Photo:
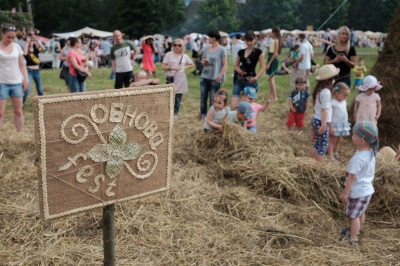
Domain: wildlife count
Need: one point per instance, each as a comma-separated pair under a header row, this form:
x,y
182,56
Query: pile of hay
x,y
272,166
235,199
387,70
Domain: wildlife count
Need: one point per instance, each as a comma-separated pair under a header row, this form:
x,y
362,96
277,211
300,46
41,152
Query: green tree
x,y
259,14
217,14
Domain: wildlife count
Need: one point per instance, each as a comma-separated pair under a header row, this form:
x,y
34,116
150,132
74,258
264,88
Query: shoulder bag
x,y
170,79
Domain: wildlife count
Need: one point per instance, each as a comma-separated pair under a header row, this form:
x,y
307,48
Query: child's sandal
x,y
353,242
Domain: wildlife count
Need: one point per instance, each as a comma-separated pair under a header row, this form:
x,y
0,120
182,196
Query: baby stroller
x,y
199,68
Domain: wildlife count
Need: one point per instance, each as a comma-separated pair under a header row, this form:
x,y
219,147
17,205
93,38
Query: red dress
x,y
148,60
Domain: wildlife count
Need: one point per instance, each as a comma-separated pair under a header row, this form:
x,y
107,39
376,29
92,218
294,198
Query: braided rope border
x,y
42,101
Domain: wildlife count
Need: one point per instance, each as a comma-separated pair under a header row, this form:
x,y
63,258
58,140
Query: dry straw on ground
x,y
235,199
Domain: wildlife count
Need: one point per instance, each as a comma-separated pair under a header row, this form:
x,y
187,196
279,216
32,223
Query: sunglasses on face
x,y
9,28
177,45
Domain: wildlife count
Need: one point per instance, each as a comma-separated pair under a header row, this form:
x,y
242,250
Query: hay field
x,y
235,199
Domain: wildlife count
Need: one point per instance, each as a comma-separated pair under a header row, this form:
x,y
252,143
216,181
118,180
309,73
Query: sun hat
x,y
251,92
245,108
370,82
327,71
368,132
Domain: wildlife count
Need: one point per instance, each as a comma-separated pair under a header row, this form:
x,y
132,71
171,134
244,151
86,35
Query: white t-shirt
x,y
323,101
9,66
236,47
362,165
306,50
339,111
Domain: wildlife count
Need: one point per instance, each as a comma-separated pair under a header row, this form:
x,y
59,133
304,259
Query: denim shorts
x,y
240,85
11,90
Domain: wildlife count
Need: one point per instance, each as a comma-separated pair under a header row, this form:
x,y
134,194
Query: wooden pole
x,y
108,235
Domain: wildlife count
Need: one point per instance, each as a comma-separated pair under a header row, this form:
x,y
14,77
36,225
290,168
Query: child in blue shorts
x,y
359,71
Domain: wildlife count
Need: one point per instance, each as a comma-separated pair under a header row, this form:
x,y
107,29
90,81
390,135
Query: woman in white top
x,y
13,76
175,63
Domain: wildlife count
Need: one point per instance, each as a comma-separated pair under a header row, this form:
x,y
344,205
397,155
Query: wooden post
x,y
108,235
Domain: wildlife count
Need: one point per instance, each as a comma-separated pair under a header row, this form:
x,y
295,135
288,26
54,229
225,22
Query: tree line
x,y
139,17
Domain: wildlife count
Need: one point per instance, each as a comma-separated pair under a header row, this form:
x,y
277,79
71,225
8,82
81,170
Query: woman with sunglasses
x,y
245,66
32,49
175,63
13,76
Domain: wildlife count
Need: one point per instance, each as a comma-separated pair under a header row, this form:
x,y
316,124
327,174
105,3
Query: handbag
x,y
34,59
170,79
81,75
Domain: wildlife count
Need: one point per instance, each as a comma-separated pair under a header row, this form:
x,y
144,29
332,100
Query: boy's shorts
x,y
357,82
356,207
11,90
295,118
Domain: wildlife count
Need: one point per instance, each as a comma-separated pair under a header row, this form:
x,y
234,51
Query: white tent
x,y
86,30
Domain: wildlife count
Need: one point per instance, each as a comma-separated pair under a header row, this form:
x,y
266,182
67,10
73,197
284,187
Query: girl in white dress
x,y
340,125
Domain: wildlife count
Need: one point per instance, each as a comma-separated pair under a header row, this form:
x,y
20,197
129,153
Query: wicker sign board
x,y
104,147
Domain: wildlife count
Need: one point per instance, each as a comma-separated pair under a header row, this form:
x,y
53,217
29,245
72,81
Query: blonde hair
x,y
141,74
344,28
182,44
341,87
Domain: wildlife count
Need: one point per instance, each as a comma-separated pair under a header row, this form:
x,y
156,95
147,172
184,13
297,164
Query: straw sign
x,y
99,148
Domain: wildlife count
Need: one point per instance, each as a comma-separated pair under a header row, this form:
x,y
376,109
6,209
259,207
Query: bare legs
x,y
333,148
272,89
356,225
18,114
314,155
149,74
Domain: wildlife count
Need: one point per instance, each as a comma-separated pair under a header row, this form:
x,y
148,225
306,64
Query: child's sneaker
x,y
345,231
353,242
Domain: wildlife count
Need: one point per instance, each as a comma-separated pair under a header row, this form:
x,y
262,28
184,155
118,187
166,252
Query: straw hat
x,y
370,82
327,71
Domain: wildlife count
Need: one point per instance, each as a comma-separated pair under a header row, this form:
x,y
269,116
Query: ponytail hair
x,y
341,87
278,36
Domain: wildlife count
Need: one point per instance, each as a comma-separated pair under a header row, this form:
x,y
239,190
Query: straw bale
x,y
235,199
387,70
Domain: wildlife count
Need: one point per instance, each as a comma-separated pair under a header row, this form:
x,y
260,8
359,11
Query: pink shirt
x,y
78,56
252,121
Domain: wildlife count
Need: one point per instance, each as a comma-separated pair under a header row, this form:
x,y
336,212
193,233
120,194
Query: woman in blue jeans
x,y
245,66
75,62
214,61
31,53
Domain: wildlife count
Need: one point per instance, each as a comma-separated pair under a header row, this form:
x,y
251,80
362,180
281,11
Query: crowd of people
x,y
19,66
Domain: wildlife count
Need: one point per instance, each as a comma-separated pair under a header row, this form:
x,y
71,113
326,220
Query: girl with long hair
x,y
275,49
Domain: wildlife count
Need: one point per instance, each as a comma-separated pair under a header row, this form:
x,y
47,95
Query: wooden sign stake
x,y
108,235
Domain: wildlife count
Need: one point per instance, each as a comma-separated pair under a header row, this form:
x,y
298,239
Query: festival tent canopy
x,y
86,31
223,34
266,31
43,39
